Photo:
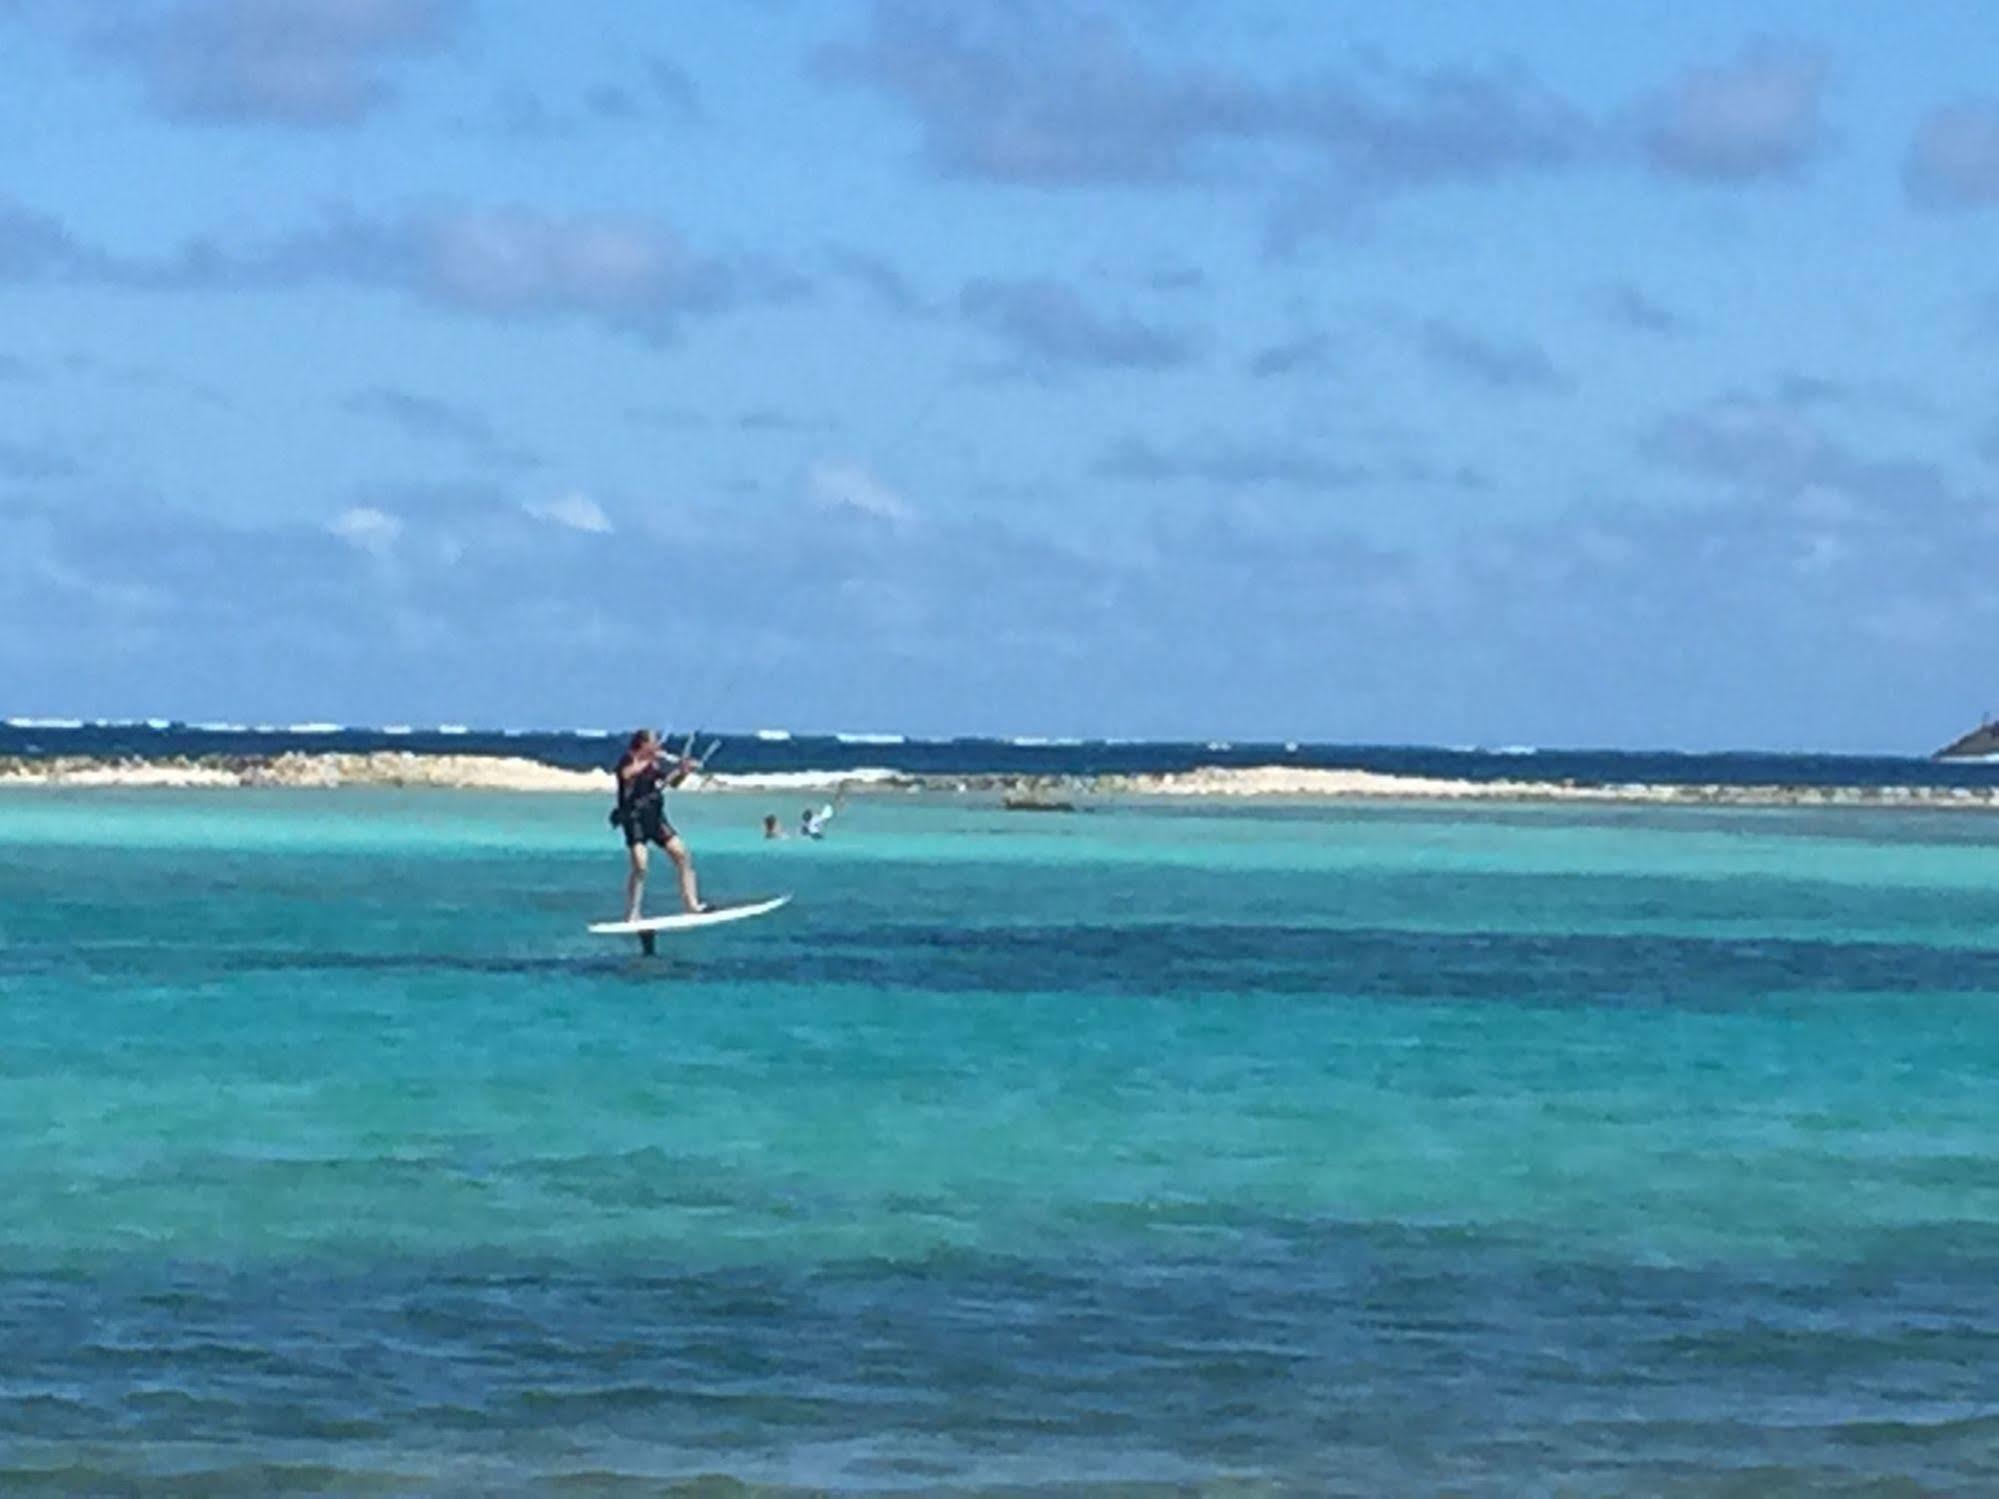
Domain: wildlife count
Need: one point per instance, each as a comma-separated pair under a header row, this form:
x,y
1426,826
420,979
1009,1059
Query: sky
x,y
1457,373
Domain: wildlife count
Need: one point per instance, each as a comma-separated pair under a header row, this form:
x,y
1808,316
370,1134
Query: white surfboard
x,y
682,921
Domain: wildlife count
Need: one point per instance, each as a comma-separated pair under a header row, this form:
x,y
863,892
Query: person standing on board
x,y
643,780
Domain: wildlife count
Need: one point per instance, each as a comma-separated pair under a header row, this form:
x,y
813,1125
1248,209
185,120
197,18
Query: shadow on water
x,y
1162,961
1332,1356
1665,971
191,965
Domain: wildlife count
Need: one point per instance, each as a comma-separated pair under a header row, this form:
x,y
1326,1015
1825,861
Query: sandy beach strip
x,y
514,773
381,768
1281,782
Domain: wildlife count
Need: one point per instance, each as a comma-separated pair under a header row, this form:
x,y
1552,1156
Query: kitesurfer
x,y
644,777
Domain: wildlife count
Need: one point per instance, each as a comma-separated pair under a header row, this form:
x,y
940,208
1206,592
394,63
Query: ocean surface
x,y
776,750
1379,1150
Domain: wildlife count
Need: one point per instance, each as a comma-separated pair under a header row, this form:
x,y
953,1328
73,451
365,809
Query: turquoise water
x,y
1267,1151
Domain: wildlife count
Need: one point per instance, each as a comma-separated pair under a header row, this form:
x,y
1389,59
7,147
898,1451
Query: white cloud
x,y
369,529
1754,117
308,63
575,510
508,258
1954,159
841,485
507,263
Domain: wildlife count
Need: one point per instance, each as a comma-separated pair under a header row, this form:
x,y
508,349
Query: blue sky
x,y
1451,373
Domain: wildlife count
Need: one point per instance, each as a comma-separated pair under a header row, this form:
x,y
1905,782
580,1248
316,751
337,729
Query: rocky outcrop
x,y
1982,743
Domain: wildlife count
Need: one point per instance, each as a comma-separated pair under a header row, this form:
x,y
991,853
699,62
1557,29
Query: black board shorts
x,y
647,824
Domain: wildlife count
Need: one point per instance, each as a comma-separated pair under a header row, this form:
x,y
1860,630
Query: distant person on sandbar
x,y
644,777
772,829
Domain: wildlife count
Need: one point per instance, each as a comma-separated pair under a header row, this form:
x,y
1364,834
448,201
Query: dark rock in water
x,y
1032,803
1981,742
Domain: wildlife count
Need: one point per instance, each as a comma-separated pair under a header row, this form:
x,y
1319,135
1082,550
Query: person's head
x,y
643,742
770,823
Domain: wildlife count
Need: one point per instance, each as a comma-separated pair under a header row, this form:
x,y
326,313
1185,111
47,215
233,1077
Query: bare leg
x,y
683,863
635,882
